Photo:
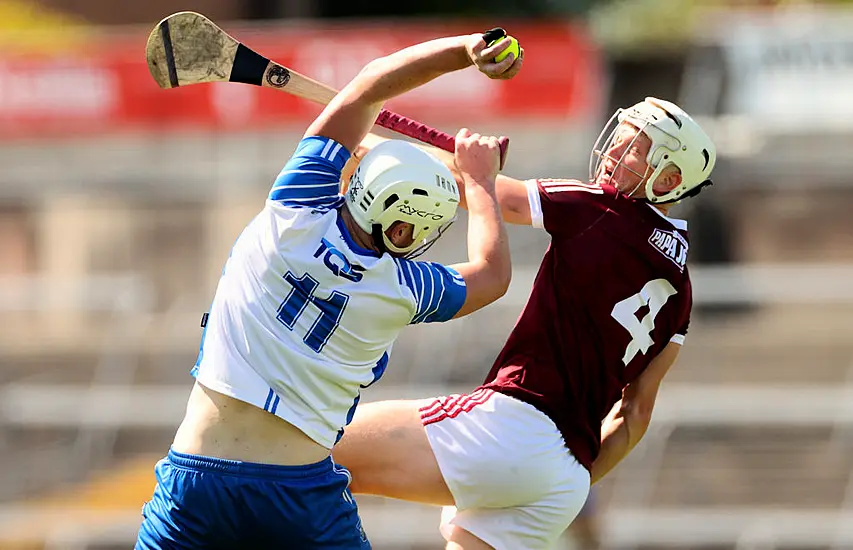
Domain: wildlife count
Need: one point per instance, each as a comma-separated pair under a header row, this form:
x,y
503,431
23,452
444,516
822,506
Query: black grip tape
x,y
493,34
249,66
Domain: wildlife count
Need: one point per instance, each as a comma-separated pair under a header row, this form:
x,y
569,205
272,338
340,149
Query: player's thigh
x,y
460,539
387,451
533,527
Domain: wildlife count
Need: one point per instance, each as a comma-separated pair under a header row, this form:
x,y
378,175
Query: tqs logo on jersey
x,y
338,263
409,211
672,245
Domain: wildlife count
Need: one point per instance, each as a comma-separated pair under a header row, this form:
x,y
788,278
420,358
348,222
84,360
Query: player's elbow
x,y
501,279
494,283
642,418
362,88
638,401
485,286
370,70
495,271
637,411
638,416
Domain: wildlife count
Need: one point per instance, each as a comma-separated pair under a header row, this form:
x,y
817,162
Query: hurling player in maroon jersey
x,y
572,390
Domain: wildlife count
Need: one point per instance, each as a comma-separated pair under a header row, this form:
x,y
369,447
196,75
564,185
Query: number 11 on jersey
x,y
331,309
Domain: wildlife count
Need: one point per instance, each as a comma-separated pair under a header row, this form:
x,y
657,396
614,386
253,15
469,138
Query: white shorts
x,y
515,484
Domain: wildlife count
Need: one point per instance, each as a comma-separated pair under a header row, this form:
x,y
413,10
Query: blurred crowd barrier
x,y
119,203
101,85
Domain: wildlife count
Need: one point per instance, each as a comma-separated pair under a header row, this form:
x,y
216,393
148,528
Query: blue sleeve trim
x,y
439,290
324,203
312,175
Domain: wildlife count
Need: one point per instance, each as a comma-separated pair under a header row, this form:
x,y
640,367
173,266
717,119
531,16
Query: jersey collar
x,y
361,251
678,223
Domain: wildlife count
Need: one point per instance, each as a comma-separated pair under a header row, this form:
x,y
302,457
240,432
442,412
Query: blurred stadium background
x,y
119,202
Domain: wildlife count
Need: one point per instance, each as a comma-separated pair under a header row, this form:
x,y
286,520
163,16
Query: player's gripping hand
x,y
477,158
483,57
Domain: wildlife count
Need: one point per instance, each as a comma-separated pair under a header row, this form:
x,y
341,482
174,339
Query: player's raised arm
x,y
442,293
311,177
351,114
488,271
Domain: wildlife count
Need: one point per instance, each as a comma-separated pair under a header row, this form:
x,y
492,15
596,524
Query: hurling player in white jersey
x,y
313,295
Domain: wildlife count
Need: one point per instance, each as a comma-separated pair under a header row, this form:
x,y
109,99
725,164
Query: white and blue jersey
x,y
303,317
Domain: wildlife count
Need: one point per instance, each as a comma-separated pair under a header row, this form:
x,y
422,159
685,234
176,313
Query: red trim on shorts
x,y
451,406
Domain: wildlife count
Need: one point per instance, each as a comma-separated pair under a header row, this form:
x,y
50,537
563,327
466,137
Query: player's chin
x,y
623,187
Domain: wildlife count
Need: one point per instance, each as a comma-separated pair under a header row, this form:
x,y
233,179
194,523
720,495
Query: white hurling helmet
x,y
397,181
676,140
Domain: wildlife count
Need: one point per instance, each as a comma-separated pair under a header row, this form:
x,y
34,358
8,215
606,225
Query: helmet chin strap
x,y
378,241
691,193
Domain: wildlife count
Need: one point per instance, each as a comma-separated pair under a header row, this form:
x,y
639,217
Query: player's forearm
x,y
620,433
488,244
405,70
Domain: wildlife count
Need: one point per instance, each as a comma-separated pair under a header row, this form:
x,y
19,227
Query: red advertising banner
x,y
104,85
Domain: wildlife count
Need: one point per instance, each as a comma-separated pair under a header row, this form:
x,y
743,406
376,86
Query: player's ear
x,y
668,180
401,234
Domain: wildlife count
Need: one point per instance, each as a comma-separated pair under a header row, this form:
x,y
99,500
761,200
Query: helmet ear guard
x,y
689,193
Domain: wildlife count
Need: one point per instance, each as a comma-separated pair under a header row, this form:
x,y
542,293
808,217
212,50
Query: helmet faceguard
x,y
397,181
676,140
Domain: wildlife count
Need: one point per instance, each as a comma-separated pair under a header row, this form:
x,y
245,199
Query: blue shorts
x,y
202,502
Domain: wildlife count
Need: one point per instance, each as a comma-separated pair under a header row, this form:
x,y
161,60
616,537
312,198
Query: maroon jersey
x,y
611,293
